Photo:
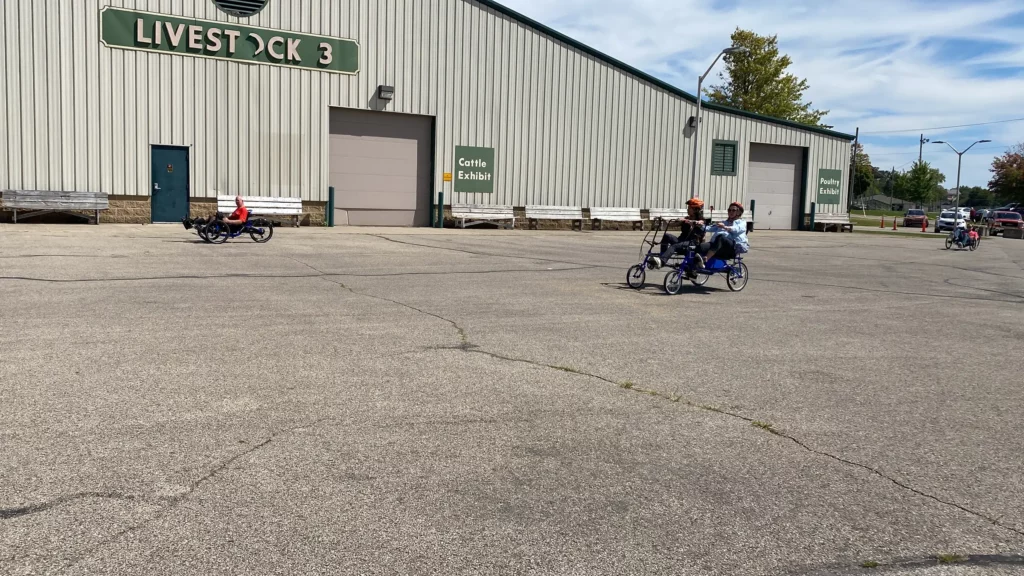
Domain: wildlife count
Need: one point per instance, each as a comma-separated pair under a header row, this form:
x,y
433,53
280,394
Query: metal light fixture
x,y
386,93
959,162
696,120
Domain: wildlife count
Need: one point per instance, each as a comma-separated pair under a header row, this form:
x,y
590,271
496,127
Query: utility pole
x,y
853,170
920,150
891,186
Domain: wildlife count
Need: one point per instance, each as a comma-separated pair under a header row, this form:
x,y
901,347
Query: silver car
x,y
947,220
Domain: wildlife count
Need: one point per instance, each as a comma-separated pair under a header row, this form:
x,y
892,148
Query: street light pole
x,y
696,127
959,162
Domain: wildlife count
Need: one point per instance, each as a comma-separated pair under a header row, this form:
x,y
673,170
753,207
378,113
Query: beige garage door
x,y
773,181
381,168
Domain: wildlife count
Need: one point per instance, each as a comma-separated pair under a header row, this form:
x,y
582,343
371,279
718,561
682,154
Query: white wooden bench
x,y
667,213
264,206
599,215
482,214
38,202
535,213
832,223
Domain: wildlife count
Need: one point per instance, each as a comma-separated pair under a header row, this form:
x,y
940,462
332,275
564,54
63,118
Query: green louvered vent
x,y
241,8
723,158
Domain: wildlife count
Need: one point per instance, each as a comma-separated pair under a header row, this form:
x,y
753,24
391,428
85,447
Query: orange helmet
x,y
695,202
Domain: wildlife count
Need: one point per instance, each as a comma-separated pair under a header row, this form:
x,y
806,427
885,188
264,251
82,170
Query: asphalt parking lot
x,y
490,402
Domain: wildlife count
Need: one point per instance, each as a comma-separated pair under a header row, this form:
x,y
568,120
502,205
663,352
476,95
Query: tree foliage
x,y
921,184
758,82
863,173
976,197
1008,175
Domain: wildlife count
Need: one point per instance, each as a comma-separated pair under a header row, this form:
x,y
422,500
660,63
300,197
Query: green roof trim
x,y
531,23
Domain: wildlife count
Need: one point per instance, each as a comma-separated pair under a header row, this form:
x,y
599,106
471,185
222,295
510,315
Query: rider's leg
x,y
716,245
669,243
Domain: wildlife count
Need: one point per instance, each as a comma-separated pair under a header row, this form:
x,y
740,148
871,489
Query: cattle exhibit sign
x,y
147,31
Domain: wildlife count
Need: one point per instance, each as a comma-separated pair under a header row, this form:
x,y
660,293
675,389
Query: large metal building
x,y
378,98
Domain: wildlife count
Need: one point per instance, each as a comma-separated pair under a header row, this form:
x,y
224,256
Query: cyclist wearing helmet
x,y
691,229
729,238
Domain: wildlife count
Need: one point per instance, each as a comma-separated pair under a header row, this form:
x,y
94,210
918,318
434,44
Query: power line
x,y
946,127
908,153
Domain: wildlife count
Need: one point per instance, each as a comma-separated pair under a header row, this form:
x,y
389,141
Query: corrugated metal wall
x,y
568,129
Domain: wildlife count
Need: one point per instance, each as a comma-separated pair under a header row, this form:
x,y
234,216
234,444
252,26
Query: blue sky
x,y
880,65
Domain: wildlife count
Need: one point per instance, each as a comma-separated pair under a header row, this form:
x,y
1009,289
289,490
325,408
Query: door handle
x,y
156,186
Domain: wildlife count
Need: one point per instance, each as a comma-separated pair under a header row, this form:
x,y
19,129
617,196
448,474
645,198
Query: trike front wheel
x,y
636,276
673,283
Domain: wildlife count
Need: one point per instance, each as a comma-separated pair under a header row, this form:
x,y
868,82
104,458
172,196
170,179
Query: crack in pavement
x,y
15,512
904,564
472,253
170,503
467,346
285,276
900,292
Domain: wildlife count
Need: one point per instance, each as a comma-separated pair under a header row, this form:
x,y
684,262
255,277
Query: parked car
x,y
980,215
1009,207
947,220
915,219
1001,220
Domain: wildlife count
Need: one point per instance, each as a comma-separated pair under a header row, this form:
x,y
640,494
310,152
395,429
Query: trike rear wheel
x,y
262,231
737,277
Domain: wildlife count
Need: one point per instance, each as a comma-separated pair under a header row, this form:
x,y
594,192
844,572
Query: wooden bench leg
x,y
577,225
638,225
532,224
594,224
296,220
15,216
97,219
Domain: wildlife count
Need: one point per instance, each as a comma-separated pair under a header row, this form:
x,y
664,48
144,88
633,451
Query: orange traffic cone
x,y
882,223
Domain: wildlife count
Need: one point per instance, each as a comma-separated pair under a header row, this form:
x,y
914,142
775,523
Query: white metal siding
x,y
568,128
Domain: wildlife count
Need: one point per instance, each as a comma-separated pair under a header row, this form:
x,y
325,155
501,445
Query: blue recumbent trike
x,y
682,266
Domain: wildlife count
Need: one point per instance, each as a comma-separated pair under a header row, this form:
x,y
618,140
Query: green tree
x,y
757,81
976,196
863,173
920,185
1008,175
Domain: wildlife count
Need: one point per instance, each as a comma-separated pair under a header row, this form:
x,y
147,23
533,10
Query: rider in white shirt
x,y
961,229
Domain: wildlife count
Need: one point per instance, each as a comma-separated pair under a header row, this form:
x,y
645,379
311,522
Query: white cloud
x,y
880,65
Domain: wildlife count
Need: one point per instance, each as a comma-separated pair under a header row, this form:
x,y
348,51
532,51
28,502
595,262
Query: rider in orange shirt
x,y
239,216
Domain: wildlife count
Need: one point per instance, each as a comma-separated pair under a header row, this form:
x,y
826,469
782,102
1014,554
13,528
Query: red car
x,y
1002,220
915,219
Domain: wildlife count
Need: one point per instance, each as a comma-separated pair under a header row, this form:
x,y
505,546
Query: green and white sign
x,y
474,170
133,30
830,186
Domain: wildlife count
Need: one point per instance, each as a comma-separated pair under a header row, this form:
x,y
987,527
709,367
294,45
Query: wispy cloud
x,y
879,65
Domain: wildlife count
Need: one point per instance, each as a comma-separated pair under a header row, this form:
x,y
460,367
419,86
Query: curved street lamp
x,y
696,128
960,157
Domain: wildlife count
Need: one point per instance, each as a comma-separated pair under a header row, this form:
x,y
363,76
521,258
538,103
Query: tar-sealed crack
x,y
907,564
466,345
15,512
167,503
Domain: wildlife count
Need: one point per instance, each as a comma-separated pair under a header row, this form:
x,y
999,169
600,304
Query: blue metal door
x,y
170,183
